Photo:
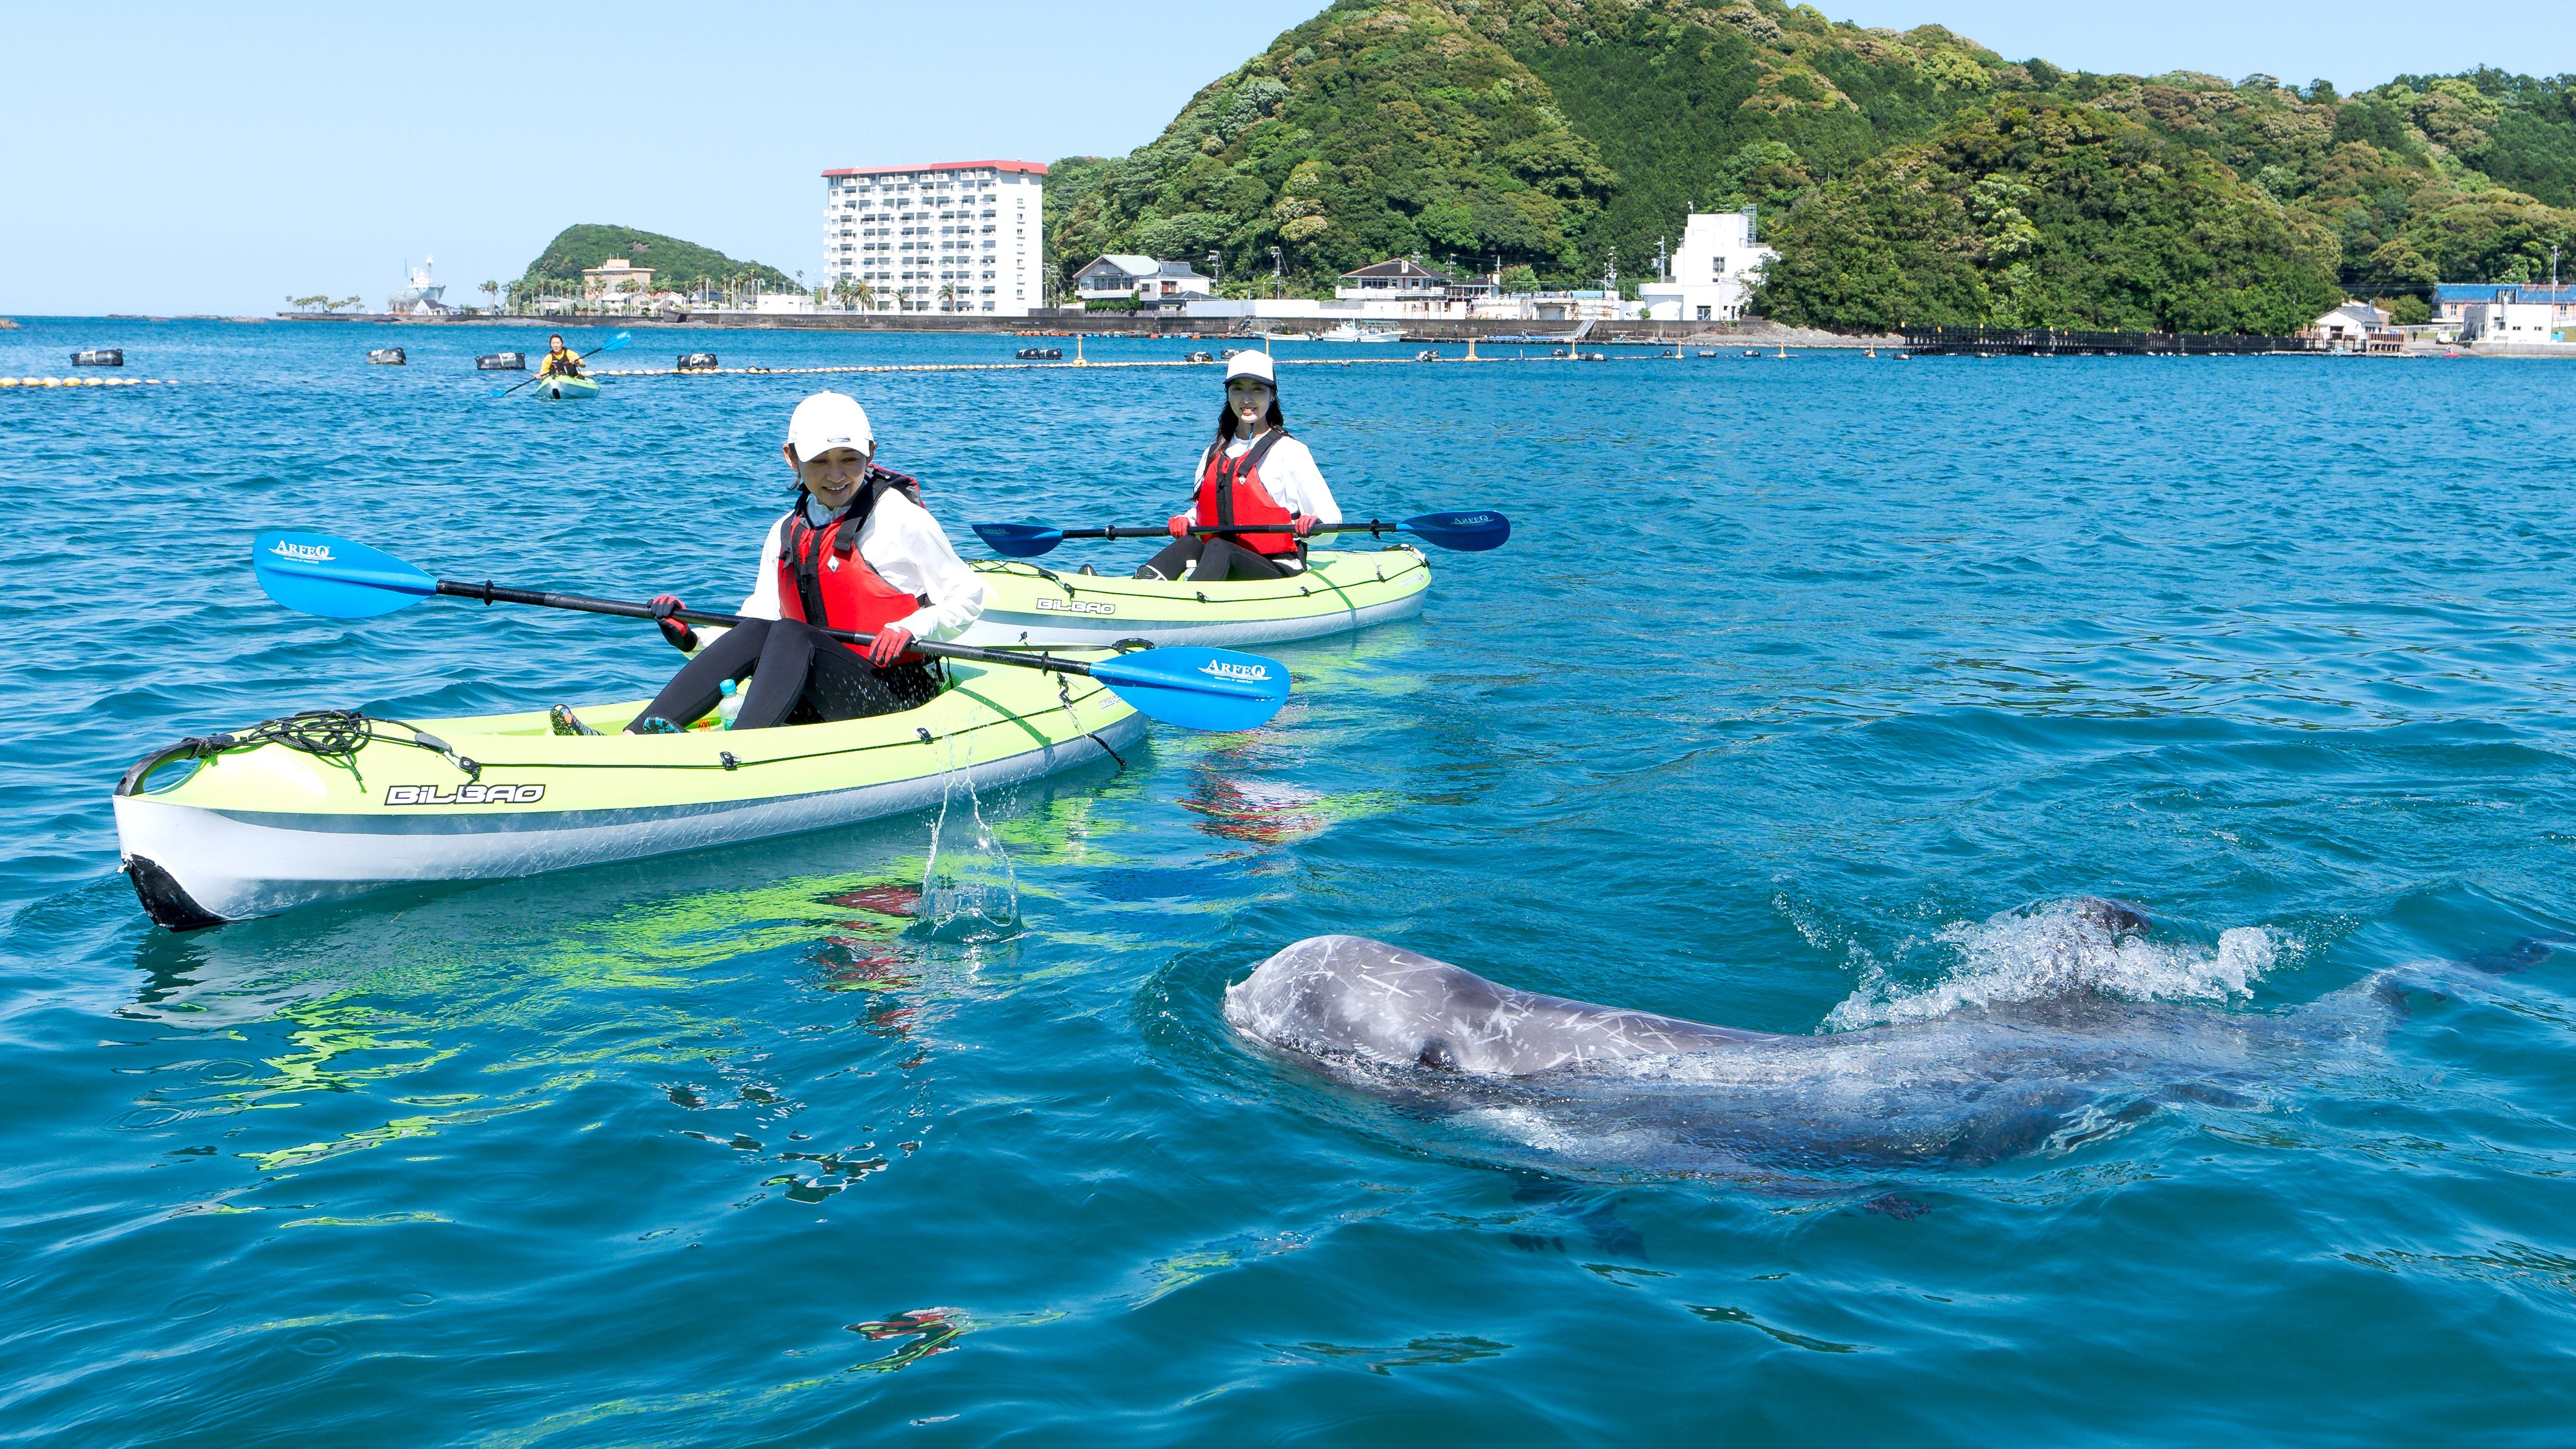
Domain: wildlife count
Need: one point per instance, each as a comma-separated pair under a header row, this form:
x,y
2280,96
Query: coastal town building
x,y
1399,279
2355,327
2503,321
1713,273
615,279
1121,275
2452,300
954,236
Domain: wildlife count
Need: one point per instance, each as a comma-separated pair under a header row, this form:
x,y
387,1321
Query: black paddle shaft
x,y
1372,528
492,593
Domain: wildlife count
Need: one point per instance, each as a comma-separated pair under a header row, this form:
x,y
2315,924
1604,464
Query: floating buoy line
x,y
89,382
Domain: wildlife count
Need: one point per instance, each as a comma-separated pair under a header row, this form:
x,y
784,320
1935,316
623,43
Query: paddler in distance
x,y
561,361
1252,473
856,551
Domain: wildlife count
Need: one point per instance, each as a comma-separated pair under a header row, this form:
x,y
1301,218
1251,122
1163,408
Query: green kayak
x,y
1338,592
328,805
565,389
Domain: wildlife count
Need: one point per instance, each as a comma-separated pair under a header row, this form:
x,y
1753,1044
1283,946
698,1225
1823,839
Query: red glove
x,y
891,641
682,637
1180,525
1304,526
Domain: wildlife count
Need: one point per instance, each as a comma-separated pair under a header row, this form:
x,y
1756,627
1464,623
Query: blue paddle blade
x,y
1199,689
318,574
1467,532
1019,540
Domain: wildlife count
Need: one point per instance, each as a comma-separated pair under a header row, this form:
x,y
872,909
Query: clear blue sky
x,y
197,158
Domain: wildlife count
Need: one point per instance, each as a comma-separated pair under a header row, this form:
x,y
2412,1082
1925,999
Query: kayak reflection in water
x,y
1252,473
857,551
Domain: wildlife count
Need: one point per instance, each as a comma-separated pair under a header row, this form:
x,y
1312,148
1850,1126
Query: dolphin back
x,y
1349,995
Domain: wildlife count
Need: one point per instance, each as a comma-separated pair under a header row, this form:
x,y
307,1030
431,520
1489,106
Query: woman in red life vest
x,y
856,551
1253,473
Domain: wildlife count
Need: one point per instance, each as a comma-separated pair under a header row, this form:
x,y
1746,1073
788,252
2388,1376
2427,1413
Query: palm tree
x,y
865,294
947,296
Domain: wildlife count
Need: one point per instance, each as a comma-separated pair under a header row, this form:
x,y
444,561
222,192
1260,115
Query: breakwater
x,y
2059,342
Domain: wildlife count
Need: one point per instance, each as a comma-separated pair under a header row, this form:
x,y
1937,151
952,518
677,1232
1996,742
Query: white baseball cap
x,y
1252,364
829,420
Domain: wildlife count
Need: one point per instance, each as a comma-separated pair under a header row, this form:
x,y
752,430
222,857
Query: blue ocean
x,y
1810,696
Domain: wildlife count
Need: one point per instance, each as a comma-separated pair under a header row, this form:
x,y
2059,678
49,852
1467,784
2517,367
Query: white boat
x,y
1353,332
422,295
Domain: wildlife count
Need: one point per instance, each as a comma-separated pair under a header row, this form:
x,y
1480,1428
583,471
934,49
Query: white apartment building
x,y
959,236
1713,273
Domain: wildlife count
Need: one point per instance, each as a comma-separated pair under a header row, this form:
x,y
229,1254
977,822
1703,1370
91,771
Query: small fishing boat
x,y
1353,332
1339,591
1201,357
1708,352
332,804
696,362
386,357
501,362
100,357
558,388
1041,354
1428,354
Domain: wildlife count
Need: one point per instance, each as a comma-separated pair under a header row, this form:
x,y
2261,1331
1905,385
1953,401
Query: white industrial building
x,y
958,236
2507,320
1714,272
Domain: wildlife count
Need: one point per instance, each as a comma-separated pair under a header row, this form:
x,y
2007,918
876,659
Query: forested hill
x,y
675,263
1550,132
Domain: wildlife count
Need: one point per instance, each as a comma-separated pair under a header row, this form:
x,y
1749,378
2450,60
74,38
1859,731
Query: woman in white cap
x,y
1252,473
857,551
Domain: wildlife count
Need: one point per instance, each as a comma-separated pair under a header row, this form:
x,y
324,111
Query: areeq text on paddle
x,y
1190,686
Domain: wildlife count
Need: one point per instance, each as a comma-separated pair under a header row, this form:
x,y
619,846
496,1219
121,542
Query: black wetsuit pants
x,y
1217,560
799,675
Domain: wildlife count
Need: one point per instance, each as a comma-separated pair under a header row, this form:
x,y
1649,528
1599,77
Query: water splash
x,y
968,890
2055,951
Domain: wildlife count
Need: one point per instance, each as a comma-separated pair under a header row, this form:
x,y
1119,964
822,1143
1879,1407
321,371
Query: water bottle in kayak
x,y
729,706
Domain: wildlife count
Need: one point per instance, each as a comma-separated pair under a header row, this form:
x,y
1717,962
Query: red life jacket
x,y
1230,493
822,577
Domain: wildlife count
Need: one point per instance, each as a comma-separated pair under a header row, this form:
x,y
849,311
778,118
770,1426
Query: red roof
x,y
1030,168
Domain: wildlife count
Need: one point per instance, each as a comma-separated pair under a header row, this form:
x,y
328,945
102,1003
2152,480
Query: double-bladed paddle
x,y
1467,532
1200,689
611,345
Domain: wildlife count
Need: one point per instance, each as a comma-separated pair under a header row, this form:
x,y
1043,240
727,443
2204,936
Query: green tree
x,y
2049,216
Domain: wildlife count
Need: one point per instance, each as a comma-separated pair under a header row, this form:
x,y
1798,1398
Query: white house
x,y
1713,273
2501,321
1397,279
955,236
1123,274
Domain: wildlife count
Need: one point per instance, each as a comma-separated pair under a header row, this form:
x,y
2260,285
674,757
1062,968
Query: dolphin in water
x,y
1582,1086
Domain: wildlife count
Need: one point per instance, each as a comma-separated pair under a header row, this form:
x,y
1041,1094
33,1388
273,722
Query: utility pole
x,y
1278,272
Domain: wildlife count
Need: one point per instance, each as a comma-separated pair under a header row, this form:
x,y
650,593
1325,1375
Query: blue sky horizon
x,y
179,159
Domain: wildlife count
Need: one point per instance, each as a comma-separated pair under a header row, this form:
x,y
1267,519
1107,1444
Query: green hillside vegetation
x,y
1557,134
674,262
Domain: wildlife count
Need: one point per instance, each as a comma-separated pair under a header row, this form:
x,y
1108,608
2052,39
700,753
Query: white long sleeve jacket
x,y
904,544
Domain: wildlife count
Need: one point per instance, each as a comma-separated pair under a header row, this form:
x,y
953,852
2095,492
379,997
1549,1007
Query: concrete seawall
x,y
1753,332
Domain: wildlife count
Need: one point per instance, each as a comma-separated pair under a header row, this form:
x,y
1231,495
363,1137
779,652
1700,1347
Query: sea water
x,y
1804,695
